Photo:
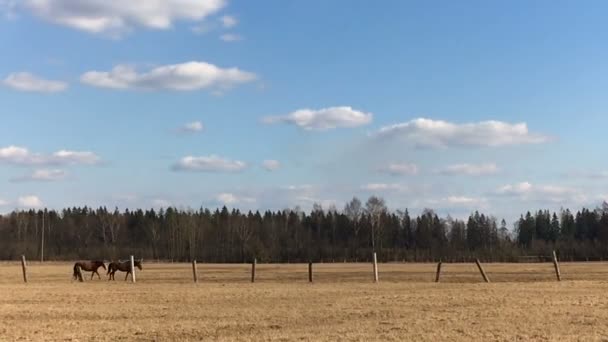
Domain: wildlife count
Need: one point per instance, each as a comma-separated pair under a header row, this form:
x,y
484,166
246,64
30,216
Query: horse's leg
x,y
98,276
92,274
127,275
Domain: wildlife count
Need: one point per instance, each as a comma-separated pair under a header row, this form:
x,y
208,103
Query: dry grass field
x,y
523,303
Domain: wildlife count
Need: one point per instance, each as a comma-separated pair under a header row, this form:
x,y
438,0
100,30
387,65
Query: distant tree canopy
x,y
352,234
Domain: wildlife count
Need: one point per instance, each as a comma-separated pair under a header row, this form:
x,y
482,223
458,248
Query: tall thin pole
x,y
375,268
132,269
24,268
42,239
556,265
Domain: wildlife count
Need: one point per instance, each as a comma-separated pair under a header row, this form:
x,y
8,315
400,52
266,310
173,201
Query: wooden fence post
x,y
483,273
438,272
194,271
375,268
255,261
310,271
132,269
24,268
556,265
79,274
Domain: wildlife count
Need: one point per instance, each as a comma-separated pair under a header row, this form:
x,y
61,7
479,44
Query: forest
x,y
322,235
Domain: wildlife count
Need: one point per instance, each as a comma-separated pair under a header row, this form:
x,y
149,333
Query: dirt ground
x,y
523,302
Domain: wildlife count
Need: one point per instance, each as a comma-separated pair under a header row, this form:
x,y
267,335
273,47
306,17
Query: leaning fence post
x,y
483,273
556,265
194,271
438,272
24,268
375,268
255,261
310,271
132,269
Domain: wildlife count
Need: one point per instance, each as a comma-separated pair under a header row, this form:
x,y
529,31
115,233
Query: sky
x,y
456,106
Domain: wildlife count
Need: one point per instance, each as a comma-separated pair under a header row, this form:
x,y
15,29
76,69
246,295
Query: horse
x,y
89,266
123,266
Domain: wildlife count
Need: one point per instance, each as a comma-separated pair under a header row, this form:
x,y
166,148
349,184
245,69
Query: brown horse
x,y
89,266
123,266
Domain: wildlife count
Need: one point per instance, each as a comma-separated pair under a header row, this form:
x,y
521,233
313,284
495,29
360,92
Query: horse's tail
x,y
75,275
110,266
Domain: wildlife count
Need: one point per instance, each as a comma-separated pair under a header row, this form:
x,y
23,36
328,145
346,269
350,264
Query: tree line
x,y
328,235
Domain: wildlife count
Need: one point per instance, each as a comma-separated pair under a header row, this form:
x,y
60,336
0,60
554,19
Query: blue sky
x,y
456,106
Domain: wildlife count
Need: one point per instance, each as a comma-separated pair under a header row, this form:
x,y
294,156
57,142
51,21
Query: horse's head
x,y
102,264
138,264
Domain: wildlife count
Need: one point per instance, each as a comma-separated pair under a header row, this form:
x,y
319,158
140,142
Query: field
x,y
523,302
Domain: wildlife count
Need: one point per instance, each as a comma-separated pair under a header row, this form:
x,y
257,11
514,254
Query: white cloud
x,y
588,175
29,201
192,127
25,81
7,8
210,163
231,37
232,199
22,156
271,165
400,169
115,17
180,77
552,193
437,133
384,187
305,187
229,21
43,175
161,203
4,203
323,119
470,169
459,202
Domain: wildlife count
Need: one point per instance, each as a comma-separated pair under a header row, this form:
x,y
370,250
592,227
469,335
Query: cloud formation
x,y
227,198
192,127
230,37
384,187
25,81
400,169
22,156
323,119
470,169
210,163
43,175
228,21
271,165
187,76
116,17
423,132
552,193
30,201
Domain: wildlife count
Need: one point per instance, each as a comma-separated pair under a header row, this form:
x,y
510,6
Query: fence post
x,y
24,268
556,265
255,261
310,271
438,272
79,274
194,271
375,268
132,269
483,273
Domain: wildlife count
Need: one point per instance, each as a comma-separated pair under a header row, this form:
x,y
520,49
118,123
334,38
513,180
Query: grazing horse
x,y
123,266
89,266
